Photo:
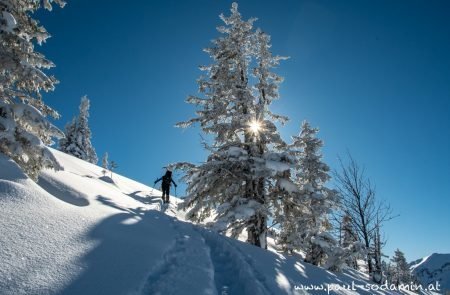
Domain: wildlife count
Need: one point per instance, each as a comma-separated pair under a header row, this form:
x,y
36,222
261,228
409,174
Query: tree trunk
x,y
314,255
257,231
369,254
378,273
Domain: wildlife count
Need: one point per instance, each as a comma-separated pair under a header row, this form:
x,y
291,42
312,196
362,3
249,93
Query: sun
x,y
255,126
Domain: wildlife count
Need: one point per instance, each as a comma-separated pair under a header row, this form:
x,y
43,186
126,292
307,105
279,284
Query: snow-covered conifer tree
x,y
24,130
387,271
78,136
105,163
400,272
234,180
271,161
347,233
348,238
113,165
337,257
314,201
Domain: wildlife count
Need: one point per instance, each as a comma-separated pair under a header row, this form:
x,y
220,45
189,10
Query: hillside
x,y
78,232
433,268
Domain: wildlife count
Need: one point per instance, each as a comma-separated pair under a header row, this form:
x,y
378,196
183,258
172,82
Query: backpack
x,y
166,179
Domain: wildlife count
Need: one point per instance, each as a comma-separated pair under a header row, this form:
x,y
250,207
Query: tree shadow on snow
x,y
127,247
107,179
149,200
130,245
288,272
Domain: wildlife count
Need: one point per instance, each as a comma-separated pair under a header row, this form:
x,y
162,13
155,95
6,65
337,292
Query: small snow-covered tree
x,y
113,165
288,211
77,141
377,251
24,129
244,161
67,144
387,271
400,272
313,201
348,238
105,163
336,256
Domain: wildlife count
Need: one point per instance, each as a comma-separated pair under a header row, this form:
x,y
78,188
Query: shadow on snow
x,y
128,246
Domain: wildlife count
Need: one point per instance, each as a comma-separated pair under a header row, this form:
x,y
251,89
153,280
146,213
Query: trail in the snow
x,y
233,271
185,268
202,262
168,209
154,201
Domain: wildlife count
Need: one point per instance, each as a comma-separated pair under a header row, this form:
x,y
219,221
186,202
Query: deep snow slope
x,y
78,232
433,268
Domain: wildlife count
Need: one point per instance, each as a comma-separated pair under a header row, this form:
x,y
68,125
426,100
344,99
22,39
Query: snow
x,y
236,152
430,269
287,186
277,166
75,233
10,22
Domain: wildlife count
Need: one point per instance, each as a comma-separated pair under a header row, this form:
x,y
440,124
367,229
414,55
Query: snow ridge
x,y
433,268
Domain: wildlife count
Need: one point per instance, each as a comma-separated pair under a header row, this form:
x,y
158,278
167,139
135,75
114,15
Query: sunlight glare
x,y
255,126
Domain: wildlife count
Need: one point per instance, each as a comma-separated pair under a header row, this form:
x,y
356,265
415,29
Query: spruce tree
x,y
105,163
77,141
243,161
313,201
399,271
345,253
24,129
348,238
113,165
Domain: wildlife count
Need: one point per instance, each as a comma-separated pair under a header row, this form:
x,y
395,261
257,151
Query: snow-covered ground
x,y
78,232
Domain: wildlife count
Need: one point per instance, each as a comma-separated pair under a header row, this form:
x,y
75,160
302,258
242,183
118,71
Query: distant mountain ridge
x,y
432,269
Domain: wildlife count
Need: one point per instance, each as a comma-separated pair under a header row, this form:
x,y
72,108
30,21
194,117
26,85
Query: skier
x,y
165,186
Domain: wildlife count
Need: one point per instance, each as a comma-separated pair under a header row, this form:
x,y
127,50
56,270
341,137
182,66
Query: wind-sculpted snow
x,y
62,191
78,234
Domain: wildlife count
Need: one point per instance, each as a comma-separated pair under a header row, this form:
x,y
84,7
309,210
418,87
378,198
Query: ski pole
x,y
153,187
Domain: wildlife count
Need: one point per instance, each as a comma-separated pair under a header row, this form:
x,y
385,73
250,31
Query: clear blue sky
x,y
373,75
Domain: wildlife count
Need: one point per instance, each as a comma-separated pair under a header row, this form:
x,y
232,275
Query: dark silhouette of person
x,y
165,185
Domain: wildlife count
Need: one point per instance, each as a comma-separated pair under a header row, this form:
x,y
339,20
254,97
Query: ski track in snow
x,y
233,271
220,266
167,209
178,266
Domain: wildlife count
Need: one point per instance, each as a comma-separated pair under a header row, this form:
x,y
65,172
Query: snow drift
x,y
78,232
